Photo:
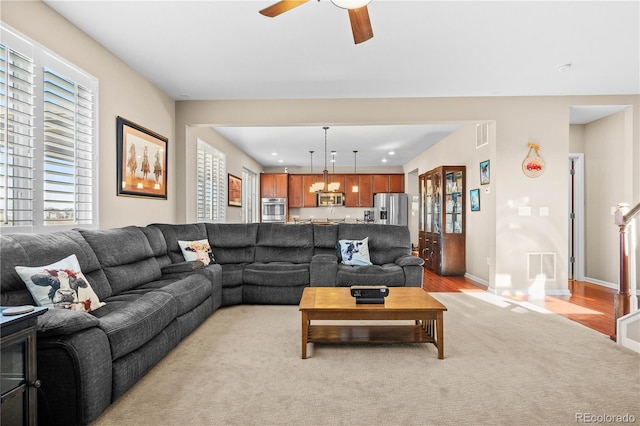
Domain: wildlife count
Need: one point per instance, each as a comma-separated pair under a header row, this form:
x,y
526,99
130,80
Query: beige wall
x,y
607,183
122,91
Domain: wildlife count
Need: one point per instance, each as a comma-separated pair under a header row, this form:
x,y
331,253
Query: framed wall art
x,y
474,200
485,173
141,161
235,191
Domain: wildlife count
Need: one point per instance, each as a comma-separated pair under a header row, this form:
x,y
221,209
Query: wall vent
x,y
482,135
541,265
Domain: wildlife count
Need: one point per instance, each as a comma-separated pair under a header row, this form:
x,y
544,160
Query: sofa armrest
x,y
186,266
409,261
323,270
58,322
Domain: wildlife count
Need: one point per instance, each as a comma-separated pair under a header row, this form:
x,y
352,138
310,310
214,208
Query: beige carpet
x,y
504,364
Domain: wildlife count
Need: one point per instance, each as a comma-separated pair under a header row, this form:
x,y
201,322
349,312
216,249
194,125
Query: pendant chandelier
x,y
325,185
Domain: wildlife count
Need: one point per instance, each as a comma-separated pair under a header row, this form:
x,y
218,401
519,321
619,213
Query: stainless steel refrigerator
x,y
391,209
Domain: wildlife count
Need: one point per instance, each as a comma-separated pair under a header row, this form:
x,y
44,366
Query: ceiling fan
x,y
358,15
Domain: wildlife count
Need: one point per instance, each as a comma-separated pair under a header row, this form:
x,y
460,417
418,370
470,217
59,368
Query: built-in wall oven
x,y
274,210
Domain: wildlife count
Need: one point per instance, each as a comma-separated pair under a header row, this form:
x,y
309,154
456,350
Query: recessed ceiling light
x,y
274,153
392,153
384,160
280,161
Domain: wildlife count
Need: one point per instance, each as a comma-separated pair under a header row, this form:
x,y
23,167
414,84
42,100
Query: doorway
x,y
576,218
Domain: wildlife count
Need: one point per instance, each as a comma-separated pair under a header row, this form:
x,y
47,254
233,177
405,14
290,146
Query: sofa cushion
x,y
189,292
388,274
232,274
174,233
125,255
60,285
277,274
353,252
130,319
197,250
386,242
324,239
233,242
42,249
279,242
64,321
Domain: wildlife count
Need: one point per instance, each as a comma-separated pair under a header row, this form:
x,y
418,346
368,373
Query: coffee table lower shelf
x,y
377,334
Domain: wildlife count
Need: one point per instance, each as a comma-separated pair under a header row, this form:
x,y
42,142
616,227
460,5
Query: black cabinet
x,y
18,373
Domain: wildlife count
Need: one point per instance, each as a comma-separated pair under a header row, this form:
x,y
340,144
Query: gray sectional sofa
x,y
154,298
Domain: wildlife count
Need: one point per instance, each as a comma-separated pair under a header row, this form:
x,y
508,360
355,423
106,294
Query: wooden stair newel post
x,y
622,301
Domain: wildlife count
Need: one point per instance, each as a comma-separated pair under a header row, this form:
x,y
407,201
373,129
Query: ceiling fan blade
x,y
281,7
360,24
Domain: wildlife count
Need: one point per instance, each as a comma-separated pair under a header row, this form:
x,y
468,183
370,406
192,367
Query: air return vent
x,y
541,265
482,135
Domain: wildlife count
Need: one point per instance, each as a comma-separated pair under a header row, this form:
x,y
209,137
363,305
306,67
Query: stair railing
x,y
622,303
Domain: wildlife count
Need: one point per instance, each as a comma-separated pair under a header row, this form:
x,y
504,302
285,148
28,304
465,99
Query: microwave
x,y
329,199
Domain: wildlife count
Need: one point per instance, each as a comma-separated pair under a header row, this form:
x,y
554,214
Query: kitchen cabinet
x,y
441,223
364,196
295,194
388,183
274,185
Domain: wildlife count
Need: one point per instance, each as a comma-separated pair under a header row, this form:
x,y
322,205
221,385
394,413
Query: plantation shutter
x,y
16,138
211,183
68,151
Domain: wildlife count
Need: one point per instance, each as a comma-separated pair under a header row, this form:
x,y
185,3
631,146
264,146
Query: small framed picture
x,y
485,173
235,191
474,200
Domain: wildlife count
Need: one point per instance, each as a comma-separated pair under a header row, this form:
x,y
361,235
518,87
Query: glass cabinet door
x,y
436,202
428,204
421,204
454,202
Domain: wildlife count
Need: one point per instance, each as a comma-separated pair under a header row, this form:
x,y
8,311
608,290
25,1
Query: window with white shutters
x,y
16,138
48,175
212,185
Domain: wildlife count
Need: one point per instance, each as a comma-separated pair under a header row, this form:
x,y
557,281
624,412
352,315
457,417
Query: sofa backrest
x,y
40,250
279,242
386,242
125,256
158,245
325,238
183,232
232,242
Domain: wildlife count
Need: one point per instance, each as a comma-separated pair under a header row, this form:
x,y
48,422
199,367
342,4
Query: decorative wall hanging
x,y
141,161
533,164
235,191
485,173
474,197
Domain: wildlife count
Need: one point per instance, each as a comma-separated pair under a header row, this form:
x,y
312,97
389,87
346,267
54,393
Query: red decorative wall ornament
x,y
533,164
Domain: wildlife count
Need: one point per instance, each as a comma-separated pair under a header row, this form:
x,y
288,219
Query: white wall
x,y
122,91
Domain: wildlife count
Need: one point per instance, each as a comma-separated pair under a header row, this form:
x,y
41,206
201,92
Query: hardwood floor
x,y
589,304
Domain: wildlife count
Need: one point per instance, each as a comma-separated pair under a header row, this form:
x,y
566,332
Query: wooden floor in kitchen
x,y
589,304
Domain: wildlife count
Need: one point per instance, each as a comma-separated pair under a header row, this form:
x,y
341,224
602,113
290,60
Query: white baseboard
x,y
607,284
559,292
600,282
477,280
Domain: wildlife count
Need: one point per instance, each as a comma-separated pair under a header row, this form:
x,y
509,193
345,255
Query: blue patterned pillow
x,y
354,252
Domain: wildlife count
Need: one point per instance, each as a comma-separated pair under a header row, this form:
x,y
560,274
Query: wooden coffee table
x,y
402,303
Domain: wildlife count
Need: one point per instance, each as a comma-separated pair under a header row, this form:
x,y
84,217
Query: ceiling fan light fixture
x,y
351,4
